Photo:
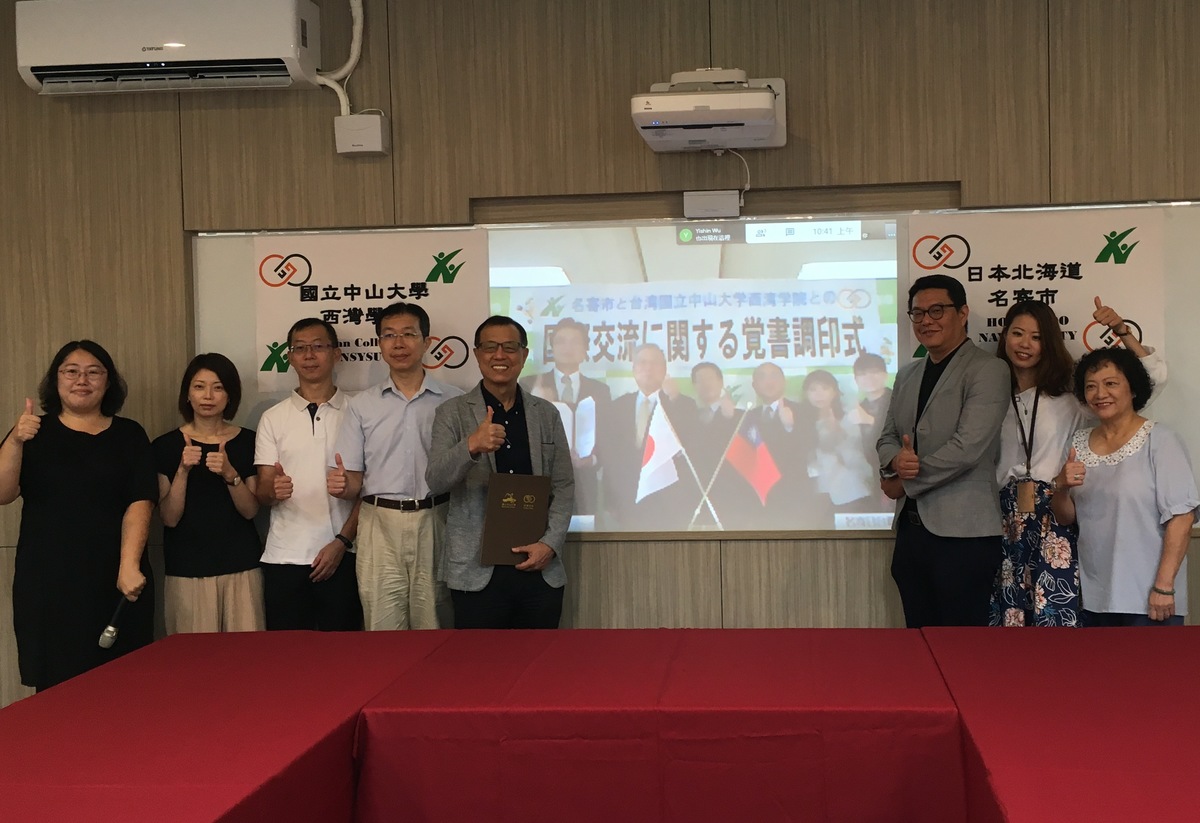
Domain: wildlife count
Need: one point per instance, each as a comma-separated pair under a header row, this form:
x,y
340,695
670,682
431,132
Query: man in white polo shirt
x,y
381,454
307,584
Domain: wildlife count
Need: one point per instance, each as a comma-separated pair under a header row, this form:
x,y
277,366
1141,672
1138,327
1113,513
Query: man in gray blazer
x,y
937,457
498,427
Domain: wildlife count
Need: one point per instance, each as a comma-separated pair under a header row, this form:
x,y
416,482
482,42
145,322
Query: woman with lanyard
x,y
1038,580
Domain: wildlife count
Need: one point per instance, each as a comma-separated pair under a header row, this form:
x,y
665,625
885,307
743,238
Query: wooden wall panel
x,y
1124,125
509,98
802,583
11,689
91,245
901,92
630,585
1002,62
90,242
266,159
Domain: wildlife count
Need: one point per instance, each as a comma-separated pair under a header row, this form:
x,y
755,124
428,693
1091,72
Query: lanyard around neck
x,y
1027,439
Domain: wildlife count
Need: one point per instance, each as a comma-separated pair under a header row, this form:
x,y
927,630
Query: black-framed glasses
x,y
935,312
509,346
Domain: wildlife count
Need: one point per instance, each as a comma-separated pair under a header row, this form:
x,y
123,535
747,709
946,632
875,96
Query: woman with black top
x,y
86,478
206,480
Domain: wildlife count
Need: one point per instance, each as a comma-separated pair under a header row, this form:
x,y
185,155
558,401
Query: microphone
x,y
109,635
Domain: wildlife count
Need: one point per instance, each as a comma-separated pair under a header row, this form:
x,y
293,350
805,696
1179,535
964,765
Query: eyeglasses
x,y
406,336
94,374
315,348
935,312
509,346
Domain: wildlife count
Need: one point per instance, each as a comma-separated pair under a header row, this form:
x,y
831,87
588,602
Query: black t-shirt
x,y
212,538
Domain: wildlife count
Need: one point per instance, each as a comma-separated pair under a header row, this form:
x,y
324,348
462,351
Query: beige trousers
x,y
225,603
397,567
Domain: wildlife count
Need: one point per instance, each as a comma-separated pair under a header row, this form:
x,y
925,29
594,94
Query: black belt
x,y
405,505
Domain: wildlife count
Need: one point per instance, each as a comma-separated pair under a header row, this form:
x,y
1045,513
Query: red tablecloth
x,y
245,727
1087,725
665,725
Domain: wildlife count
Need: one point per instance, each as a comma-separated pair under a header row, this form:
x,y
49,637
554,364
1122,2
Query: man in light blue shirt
x,y
381,454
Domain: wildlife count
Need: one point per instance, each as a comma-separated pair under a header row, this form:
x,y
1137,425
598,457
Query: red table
x,y
665,725
245,727
1087,725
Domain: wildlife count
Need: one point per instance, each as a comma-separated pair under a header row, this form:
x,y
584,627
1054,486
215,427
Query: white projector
x,y
712,109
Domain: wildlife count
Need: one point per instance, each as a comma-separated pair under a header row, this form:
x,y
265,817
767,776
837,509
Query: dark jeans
x,y
943,581
511,600
292,601
1102,619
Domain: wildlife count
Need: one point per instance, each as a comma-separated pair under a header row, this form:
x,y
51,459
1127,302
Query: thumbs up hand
x,y
1073,472
335,480
1109,317
487,438
283,484
191,455
906,463
218,463
27,424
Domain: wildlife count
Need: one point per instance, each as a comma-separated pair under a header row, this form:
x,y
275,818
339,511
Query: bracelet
x,y
1163,592
345,541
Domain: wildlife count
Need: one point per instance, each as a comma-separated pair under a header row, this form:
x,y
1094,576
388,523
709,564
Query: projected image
x,y
711,376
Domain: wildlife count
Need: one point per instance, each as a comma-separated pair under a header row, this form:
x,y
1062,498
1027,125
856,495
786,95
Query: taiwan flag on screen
x,y
748,454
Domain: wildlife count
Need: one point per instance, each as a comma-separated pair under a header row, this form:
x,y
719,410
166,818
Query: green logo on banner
x,y
1114,249
554,307
277,359
442,270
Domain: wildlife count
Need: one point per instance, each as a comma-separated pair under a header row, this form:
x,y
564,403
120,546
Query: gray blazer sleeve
x,y
449,457
984,406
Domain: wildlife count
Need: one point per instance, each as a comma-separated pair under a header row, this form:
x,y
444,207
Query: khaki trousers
x,y
225,603
397,568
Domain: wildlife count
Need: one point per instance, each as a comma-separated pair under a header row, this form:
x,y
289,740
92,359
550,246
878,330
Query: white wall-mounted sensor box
x,y
725,203
362,134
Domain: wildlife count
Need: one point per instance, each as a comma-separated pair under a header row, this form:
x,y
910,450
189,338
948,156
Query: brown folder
x,y
518,509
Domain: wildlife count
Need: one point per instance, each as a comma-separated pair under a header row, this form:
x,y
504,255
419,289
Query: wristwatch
x,y
887,474
236,481
345,541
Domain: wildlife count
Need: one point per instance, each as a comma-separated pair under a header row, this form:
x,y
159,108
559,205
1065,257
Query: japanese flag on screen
x,y
658,456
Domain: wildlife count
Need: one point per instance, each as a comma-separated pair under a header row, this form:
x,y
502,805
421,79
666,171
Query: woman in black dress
x,y
206,482
88,484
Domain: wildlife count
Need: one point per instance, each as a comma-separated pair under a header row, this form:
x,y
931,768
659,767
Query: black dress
x,y
76,488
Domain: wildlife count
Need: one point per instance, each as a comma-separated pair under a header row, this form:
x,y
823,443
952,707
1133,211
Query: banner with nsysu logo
x,y
1064,258
347,279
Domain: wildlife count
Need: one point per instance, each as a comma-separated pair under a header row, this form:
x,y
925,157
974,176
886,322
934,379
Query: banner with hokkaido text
x,y
1067,259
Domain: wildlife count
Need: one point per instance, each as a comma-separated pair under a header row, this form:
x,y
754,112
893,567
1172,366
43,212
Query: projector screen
x,y
730,375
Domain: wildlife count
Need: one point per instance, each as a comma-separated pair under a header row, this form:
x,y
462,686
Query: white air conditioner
x,y
99,46
711,109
